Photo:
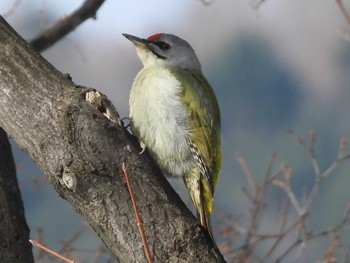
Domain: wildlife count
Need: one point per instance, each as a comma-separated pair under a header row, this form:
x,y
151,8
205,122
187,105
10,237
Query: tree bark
x,y
14,231
81,152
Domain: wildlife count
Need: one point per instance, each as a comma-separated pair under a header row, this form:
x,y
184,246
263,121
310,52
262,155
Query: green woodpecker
x,y
175,115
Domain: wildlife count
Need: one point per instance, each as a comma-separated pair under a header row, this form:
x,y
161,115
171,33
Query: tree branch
x,y
65,25
81,152
14,231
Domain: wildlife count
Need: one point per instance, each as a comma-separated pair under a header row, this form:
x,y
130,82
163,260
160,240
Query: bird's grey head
x,y
165,49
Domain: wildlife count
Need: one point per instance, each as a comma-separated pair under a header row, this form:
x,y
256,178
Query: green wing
x,y
199,97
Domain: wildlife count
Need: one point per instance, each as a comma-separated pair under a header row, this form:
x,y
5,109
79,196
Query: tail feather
x,y
204,216
202,200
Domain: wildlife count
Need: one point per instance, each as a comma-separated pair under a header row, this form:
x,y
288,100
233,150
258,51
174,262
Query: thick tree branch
x,y
81,153
14,232
66,24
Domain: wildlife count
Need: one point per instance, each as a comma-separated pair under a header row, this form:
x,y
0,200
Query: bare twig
x,y
343,145
66,24
282,232
270,167
330,254
344,12
69,242
251,235
138,218
246,171
257,197
319,176
344,222
308,149
39,245
278,237
342,33
287,172
256,3
313,137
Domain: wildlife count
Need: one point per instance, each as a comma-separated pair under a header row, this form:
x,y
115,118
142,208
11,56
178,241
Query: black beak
x,y
136,40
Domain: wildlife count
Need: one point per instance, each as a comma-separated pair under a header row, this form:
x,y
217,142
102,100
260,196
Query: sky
x,y
302,40
303,32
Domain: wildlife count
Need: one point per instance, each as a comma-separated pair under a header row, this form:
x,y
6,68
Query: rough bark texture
x,y
81,153
14,231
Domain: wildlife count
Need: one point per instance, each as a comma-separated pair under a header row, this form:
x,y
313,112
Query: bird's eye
x,y
162,45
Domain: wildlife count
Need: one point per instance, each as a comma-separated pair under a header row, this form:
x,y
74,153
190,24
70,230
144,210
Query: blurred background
x,y
279,66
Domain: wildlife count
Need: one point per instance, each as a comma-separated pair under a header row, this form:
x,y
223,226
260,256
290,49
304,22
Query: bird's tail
x,y
202,199
205,208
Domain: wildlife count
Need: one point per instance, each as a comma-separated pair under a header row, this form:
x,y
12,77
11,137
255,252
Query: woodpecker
x,y
175,115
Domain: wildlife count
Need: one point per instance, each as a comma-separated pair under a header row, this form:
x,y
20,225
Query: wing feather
x,y
204,125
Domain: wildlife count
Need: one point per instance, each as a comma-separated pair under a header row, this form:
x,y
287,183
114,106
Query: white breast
x,y
158,114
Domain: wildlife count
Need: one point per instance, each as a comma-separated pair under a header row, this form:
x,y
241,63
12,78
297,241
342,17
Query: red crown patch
x,y
155,36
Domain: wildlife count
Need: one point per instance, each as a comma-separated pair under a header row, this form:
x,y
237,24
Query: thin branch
x,y
308,149
278,236
343,223
335,244
342,33
246,170
259,205
282,232
270,167
256,3
70,241
343,145
320,177
313,137
287,172
256,195
137,214
66,24
37,244
344,12
334,165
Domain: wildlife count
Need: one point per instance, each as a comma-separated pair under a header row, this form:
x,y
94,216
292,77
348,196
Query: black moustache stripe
x,y
155,53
